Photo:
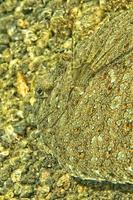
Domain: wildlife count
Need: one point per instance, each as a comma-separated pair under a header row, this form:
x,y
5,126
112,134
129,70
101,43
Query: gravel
x,y
36,40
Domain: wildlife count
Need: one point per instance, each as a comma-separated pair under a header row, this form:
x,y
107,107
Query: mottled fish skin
x,y
90,122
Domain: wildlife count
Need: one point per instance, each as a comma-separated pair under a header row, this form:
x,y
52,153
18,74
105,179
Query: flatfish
x,y
90,120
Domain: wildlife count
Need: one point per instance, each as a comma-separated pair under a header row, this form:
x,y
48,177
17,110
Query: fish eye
x,y
39,92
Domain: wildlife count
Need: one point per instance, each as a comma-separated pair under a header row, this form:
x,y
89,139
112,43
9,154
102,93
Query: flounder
x,y
90,120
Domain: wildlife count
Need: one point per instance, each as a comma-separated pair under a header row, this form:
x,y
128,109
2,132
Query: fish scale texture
x,y
90,120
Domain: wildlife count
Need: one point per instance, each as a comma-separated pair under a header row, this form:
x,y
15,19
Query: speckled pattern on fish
x,y
90,120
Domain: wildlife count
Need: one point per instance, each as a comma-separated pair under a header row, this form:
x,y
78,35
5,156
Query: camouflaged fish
x,y
90,119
